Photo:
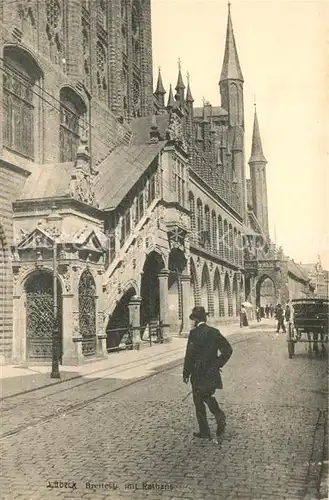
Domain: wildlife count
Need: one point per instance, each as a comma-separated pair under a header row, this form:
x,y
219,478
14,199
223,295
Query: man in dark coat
x,y
279,314
202,366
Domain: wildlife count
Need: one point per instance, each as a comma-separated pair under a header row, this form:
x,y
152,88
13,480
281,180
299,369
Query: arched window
x,y
136,97
101,71
200,221
220,237
124,81
230,235
214,240
54,29
208,228
240,243
192,210
226,241
136,15
101,14
86,53
19,116
73,111
124,28
136,34
235,246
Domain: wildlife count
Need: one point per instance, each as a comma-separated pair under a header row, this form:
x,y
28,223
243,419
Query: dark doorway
x,y
119,320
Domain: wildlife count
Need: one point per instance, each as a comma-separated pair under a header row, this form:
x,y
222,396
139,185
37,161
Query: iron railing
x,y
154,335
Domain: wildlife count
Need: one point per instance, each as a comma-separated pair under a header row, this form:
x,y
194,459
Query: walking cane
x,y
187,395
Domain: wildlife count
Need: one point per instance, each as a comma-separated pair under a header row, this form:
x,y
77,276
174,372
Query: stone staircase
x,y
129,260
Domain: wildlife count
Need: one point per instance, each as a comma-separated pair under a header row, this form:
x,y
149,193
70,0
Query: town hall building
x,y
121,205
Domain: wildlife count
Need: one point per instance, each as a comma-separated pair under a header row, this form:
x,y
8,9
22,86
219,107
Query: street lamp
x,y
53,218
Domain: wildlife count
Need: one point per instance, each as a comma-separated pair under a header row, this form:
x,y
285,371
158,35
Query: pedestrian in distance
x,y
258,314
243,317
202,365
271,310
267,310
279,315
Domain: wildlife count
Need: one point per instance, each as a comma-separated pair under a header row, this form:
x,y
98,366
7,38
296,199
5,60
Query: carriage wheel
x,y
291,349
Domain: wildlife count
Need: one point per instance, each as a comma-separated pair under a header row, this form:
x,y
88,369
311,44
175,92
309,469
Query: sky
x,y
282,52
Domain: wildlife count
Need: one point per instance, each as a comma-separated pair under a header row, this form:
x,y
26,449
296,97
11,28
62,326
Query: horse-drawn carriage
x,y
309,323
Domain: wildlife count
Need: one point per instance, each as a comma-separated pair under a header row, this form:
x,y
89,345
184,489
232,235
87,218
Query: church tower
x,y
257,165
231,91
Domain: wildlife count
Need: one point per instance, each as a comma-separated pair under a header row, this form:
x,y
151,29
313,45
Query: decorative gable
x,y
38,238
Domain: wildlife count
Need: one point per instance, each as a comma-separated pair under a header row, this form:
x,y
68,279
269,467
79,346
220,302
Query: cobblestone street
x,y
117,436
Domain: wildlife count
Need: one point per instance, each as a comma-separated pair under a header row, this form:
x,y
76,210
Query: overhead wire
x,y
134,159
86,122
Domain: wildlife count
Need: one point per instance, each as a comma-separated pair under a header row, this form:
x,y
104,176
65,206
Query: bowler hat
x,y
198,314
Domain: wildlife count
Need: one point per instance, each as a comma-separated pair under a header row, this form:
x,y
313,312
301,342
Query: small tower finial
x,y
255,102
188,77
229,6
179,63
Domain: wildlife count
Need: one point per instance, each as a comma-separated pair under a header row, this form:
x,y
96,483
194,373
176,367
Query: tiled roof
x,y
140,128
297,271
47,181
216,112
121,170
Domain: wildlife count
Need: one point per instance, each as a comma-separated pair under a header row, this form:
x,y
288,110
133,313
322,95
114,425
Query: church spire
x,y
159,88
189,98
180,87
171,102
231,69
257,154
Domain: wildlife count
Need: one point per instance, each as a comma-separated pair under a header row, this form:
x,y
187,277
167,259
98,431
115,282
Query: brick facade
x,y
148,197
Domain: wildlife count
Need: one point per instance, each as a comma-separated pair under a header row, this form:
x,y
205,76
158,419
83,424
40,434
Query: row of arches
x,y
214,233
220,296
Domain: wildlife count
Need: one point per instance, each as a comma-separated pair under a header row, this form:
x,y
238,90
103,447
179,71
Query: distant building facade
x,y
319,279
140,203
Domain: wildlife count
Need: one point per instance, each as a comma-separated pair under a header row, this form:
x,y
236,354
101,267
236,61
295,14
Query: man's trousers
x,y
200,398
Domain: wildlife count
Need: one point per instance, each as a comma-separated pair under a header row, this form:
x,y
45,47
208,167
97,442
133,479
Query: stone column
x,y
186,290
69,349
134,319
163,295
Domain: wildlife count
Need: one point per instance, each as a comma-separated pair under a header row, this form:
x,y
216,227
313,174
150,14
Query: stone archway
x,y
150,293
119,320
176,265
265,291
227,296
40,316
218,309
236,296
194,289
206,291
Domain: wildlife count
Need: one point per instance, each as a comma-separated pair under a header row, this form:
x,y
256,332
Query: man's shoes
x,y
220,428
202,436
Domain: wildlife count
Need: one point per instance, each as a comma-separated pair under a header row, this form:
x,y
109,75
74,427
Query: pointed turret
x,y
180,87
256,147
154,130
257,165
171,101
160,88
160,93
189,98
231,69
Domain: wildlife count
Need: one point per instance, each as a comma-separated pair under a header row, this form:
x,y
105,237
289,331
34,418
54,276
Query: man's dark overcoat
x,y
202,360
